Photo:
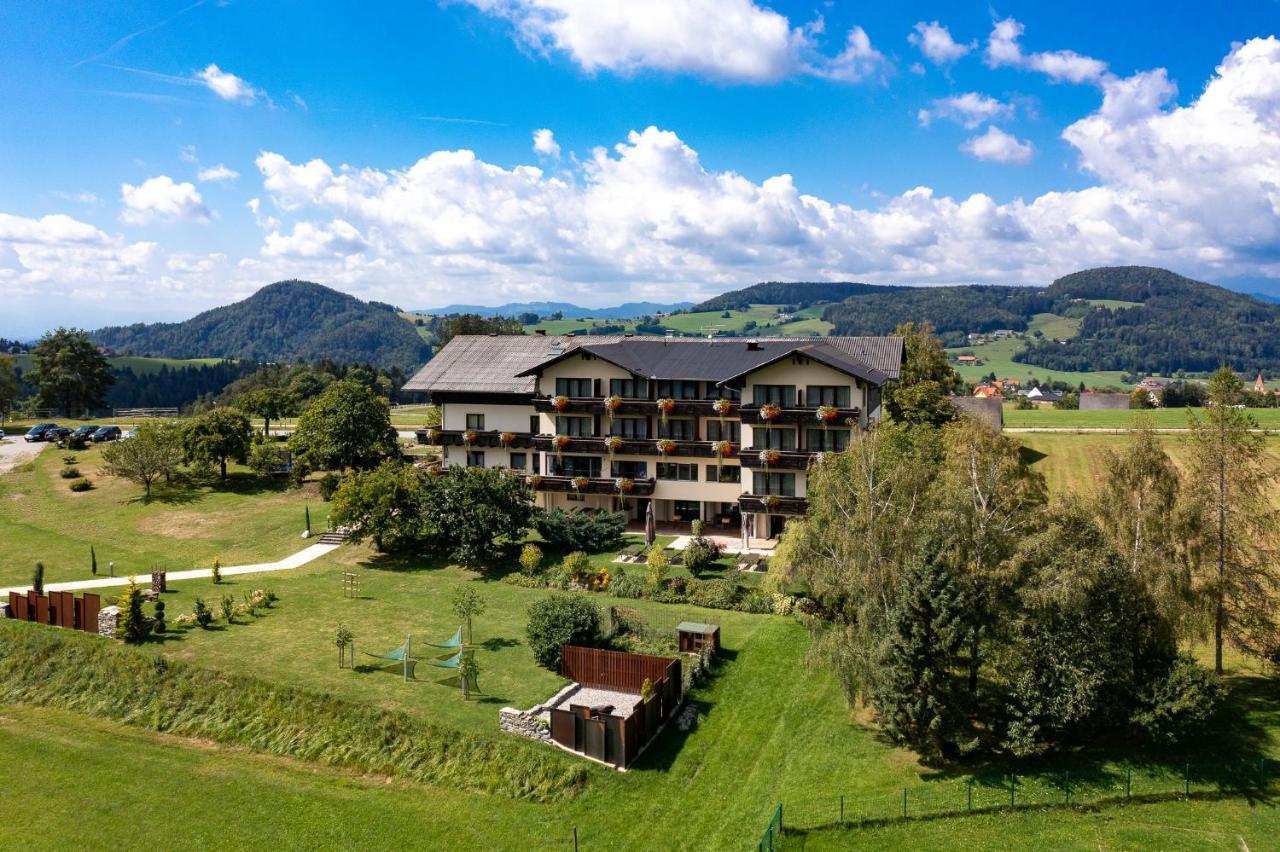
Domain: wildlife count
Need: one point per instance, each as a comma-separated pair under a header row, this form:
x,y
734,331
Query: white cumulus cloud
x,y
935,42
217,173
997,146
226,85
161,198
1003,48
544,142
970,109
734,40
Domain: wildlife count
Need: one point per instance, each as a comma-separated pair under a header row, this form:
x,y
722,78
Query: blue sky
x,y
160,158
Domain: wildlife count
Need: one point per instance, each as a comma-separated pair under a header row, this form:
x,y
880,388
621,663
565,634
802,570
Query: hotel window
x,y
476,422
781,484
575,497
475,458
729,430
630,469
678,472
837,395
535,424
773,438
573,387
676,430
574,427
677,390
577,466
826,440
519,461
629,388
630,427
783,395
728,473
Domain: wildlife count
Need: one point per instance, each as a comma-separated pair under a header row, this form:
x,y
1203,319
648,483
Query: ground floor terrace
x,y
723,520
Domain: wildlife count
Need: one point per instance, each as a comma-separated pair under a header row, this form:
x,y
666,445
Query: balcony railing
x,y
592,485
807,415
473,438
596,405
773,504
778,459
628,447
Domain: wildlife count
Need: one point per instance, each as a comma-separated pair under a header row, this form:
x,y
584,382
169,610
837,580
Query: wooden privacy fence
x,y
61,609
615,669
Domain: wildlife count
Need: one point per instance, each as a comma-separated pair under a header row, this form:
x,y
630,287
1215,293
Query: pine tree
x,y
37,579
1230,481
919,700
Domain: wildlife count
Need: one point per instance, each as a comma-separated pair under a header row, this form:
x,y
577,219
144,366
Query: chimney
x,y
541,332
754,346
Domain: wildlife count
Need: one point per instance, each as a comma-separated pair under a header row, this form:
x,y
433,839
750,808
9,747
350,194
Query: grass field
x,y
139,365
997,357
244,521
1162,418
805,323
771,728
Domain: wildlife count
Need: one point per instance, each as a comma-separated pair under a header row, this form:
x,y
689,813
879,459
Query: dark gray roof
x,y
510,363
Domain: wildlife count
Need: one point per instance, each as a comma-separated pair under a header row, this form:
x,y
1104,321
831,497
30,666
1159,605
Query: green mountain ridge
x,y
283,322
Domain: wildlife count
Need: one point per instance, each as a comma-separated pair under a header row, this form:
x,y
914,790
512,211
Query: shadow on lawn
x,y
1226,755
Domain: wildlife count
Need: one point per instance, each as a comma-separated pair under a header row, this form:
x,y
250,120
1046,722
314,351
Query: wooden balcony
x,y
631,407
786,459
592,485
628,447
805,416
472,438
773,505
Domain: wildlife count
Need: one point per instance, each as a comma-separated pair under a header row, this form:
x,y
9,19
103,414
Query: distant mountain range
x,y
283,322
567,310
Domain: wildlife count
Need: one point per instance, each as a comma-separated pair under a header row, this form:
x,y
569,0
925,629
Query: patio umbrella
x,y
746,537
650,529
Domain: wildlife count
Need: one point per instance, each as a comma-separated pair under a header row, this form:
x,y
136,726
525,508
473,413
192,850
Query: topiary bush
x,y
700,554
591,532
561,620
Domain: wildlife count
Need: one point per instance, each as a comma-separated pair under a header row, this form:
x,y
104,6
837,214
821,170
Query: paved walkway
x,y
297,560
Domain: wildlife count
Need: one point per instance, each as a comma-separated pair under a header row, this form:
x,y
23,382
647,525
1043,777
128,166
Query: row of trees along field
x,y
975,614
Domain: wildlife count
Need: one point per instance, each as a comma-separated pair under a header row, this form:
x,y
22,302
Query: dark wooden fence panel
x,y
92,606
42,609
618,670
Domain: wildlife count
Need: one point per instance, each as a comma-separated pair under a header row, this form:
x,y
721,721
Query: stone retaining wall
x,y
523,724
108,620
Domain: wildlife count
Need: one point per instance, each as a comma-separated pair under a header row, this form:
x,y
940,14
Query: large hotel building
x,y
719,429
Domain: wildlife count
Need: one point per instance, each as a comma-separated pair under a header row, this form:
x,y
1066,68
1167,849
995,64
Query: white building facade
x,y
723,430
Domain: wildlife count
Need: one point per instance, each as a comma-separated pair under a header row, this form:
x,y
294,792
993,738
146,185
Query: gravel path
x,y
15,451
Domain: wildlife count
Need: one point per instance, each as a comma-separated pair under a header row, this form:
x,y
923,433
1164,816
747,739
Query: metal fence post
x,y
904,802
1013,786
1128,781
1186,779
1066,784
969,785
842,809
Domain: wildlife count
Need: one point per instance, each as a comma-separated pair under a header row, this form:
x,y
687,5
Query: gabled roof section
x,y
511,363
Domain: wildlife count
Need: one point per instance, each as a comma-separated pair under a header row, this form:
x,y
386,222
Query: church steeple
x,y
1258,386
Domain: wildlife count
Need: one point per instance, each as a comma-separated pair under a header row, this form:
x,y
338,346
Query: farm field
x,y
139,365
805,323
997,357
1162,418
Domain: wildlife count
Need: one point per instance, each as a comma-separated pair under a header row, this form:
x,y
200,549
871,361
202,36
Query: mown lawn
x,y
245,520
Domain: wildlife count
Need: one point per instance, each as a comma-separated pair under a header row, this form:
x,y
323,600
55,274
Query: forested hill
x,y
952,310
1178,323
797,293
283,322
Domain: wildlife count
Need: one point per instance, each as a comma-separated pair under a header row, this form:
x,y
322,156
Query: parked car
x,y
107,433
131,433
84,432
37,432
56,433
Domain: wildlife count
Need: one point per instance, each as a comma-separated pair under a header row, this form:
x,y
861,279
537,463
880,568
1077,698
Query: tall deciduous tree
x,y
267,403
988,499
384,504
8,385
72,375
470,509
1232,484
919,395
155,451
217,437
1138,507
346,426
866,507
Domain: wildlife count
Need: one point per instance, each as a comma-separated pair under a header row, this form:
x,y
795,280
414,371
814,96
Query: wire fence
x,y
1048,788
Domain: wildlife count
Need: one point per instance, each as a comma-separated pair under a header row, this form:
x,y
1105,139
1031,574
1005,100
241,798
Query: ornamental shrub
x,y
575,570
201,613
714,594
700,554
69,472
530,559
81,485
591,532
329,485
228,607
624,585
1180,704
561,620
